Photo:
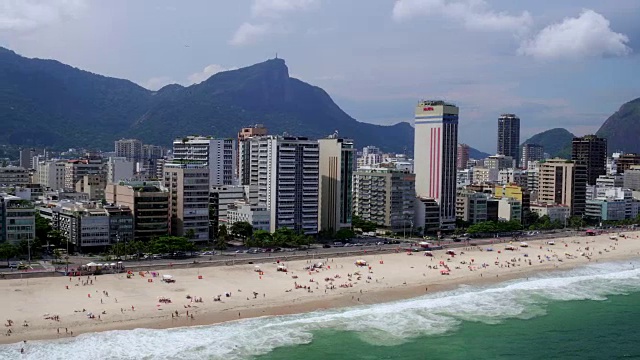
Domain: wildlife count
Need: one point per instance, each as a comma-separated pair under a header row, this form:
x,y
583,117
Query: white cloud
x,y
473,14
155,83
249,33
269,11
277,8
22,15
206,73
587,35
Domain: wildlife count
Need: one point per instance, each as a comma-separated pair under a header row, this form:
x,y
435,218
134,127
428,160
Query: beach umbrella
x,y
112,264
99,265
92,264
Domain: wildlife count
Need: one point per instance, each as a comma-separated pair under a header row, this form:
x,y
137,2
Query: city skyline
x,y
515,64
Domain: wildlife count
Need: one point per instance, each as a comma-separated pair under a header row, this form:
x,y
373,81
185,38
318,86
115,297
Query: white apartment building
x,y
50,174
509,210
219,155
464,177
484,175
188,186
257,215
512,176
554,212
119,169
286,171
336,176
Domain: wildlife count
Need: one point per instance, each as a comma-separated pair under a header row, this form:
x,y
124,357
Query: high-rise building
x,y
75,170
244,134
26,158
471,206
188,186
14,175
149,202
591,151
50,174
285,170
624,162
435,157
336,177
220,198
131,149
386,197
463,156
563,182
218,155
531,152
509,136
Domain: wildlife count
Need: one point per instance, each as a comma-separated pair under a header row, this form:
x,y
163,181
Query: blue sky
x,y
554,63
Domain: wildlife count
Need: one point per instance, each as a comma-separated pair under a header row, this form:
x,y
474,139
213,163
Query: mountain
x,y
47,103
477,154
556,142
622,129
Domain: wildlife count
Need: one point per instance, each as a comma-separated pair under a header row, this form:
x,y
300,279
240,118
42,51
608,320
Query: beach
x,y
52,308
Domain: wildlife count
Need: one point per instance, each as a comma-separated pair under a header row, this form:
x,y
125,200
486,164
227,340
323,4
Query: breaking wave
x,y
381,324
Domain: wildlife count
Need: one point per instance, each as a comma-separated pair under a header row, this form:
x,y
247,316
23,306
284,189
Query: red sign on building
x,y
429,108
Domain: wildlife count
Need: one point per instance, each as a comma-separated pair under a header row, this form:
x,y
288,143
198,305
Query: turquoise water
x,y
585,329
588,313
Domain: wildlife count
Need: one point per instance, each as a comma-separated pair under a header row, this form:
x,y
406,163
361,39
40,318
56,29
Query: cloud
x,y
587,35
156,83
269,11
473,14
21,15
277,8
249,33
206,73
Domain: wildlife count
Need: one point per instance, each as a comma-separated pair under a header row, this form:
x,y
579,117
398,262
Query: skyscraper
x,y
219,155
563,182
509,136
435,156
285,170
463,156
336,176
531,152
129,148
590,151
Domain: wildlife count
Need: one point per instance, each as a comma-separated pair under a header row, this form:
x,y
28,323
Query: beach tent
x,y
112,264
92,264
524,244
167,277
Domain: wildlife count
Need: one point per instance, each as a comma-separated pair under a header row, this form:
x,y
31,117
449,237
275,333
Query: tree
x,y
576,222
190,234
242,229
262,238
345,234
7,251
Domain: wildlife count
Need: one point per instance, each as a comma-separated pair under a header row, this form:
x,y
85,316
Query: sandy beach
x,y
50,308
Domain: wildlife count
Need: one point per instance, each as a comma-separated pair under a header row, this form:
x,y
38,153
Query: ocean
x,y
592,312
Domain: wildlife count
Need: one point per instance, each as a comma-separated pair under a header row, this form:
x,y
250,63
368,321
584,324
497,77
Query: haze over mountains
x,y
47,103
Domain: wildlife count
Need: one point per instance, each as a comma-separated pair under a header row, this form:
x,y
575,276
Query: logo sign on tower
x,y
428,108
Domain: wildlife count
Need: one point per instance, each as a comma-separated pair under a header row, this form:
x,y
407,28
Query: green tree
x,y
345,234
262,238
190,234
242,229
7,251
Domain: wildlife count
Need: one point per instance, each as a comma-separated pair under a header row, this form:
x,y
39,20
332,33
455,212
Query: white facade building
x,y
219,155
256,215
50,174
119,169
286,171
435,157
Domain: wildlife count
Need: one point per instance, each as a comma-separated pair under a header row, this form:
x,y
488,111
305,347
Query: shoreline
x,y
388,288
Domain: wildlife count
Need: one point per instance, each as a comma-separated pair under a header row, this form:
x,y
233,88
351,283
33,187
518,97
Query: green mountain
x,y
47,103
622,129
556,142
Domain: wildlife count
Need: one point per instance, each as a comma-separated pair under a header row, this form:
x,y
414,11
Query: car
x,y
326,246
209,253
338,244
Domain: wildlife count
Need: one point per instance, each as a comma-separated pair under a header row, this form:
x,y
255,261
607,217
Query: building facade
x,y
463,156
218,155
471,206
335,205
14,175
563,182
591,151
385,197
149,202
188,186
435,157
531,152
509,136
50,174
130,149
256,215
17,220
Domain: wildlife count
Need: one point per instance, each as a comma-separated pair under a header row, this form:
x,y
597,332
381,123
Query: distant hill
x,y
622,129
47,103
477,154
556,142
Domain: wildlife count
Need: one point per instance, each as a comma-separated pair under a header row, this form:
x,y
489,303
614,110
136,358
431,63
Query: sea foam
x,y
381,324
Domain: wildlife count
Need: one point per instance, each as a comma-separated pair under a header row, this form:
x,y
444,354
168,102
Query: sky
x,y
554,63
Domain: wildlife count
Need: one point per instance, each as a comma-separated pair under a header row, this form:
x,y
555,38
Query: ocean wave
x,y
380,324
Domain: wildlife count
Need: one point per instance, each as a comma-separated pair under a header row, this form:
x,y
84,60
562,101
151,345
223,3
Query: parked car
x,y
326,246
